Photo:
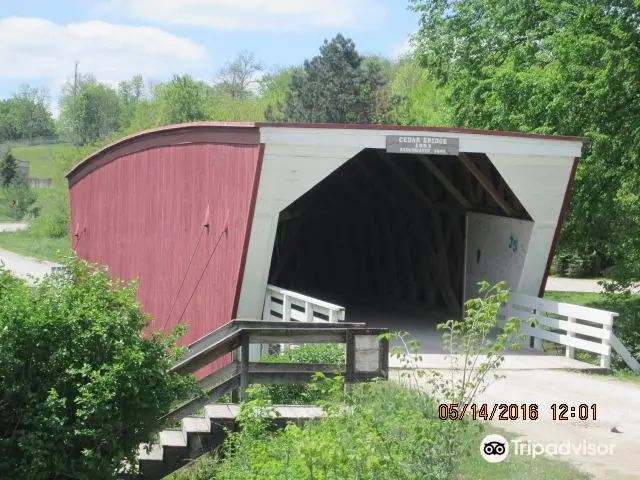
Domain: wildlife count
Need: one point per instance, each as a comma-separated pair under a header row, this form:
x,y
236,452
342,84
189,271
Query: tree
x,y
553,67
130,94
26,115
334,87
416,98
273,91
236,78
81,387
8,167
90,110
183,99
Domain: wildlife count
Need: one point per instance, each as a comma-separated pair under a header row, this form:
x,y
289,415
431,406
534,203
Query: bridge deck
x,y
421,323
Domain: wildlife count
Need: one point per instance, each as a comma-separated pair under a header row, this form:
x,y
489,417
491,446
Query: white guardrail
x,y
583,328
288,306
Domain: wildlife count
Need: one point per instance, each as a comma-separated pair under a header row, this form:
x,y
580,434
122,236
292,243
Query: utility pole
x,y
74,132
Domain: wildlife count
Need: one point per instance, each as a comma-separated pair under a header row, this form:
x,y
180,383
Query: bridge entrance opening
x,y
385,236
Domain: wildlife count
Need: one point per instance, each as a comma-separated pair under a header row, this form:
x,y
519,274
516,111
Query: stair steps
x,y
177,447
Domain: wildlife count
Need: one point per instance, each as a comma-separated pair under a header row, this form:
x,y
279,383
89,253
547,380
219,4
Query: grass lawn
x,y
587,299
26,243
40,158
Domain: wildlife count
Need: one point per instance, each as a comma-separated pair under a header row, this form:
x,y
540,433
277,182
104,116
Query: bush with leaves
x,y
387,432
80,384
20,198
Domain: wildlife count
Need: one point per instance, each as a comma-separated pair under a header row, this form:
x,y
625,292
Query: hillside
x,y
40,158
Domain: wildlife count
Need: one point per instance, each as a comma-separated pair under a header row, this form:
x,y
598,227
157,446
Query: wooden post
x,y
570,352
383,358
350,342
244,367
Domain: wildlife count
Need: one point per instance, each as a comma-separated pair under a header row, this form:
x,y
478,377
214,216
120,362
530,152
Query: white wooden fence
x,y
575,326
288,306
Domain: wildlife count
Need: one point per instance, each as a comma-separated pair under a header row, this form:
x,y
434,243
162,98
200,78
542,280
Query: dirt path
x,y
616,409
19,265
557,284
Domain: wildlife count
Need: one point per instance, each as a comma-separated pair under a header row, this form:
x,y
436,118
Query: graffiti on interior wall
x,y
514,244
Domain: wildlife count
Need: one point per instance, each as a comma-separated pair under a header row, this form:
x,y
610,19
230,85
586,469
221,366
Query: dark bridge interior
x,y
388,228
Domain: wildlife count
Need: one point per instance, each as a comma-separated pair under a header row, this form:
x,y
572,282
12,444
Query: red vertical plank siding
x,y
143,215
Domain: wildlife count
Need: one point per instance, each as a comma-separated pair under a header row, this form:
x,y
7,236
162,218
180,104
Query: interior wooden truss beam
x,y
404,178
375,181
486,184
446,183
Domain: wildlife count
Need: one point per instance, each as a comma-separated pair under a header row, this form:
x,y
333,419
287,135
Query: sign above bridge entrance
x,y
423,145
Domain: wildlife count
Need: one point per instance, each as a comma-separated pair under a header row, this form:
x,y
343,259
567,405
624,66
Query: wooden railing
x,y
285,305
367,357
573,326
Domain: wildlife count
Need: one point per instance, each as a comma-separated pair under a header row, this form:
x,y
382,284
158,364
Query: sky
x,y
40,40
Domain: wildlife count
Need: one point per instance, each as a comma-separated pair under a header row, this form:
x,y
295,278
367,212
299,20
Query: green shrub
x,y
307,393
626,325
80,386
389,432
53,218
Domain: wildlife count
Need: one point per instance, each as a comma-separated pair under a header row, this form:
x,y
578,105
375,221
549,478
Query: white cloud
x,y
403,50
252,14
34,48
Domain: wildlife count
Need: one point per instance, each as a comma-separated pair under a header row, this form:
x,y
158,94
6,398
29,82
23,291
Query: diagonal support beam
x,y
486,184
446,183
375,181
405,178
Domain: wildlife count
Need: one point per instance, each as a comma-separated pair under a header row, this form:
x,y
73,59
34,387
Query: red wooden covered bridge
x,y
383,224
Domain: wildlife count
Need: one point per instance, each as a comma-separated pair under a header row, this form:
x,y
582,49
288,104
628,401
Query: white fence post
x,y
605,358
537,342
570,352
308,310
266,310
286,308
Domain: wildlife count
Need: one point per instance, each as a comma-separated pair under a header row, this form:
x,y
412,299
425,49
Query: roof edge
x,y
416,128
166,129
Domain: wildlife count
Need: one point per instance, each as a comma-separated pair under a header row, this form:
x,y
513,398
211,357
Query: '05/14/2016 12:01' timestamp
x,y
516,411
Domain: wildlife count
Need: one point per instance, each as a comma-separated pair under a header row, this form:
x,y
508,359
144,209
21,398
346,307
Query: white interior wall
x,y
496,249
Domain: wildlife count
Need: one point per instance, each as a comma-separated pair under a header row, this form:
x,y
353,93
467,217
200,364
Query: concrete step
x,y
200,434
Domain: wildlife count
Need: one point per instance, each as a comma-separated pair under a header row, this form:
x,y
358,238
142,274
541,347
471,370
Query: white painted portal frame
x,y
296,159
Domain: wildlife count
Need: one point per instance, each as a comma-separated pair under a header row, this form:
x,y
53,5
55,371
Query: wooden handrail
x,y
241,333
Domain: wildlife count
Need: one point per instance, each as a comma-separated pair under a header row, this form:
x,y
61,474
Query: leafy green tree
x,y
8,167
335,86
26,115
238,76
130,93
183,99
553,67
80,386
419,100
90,110
273,91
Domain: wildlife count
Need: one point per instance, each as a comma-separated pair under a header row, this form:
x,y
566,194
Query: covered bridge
x,y
215,219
